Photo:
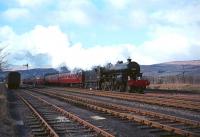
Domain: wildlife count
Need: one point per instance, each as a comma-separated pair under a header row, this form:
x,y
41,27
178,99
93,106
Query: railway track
x,y
178,103
165,122
195,98
50,120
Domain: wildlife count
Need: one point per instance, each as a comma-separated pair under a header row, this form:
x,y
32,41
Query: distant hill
x,y
173,72
191,62
37,72
172,68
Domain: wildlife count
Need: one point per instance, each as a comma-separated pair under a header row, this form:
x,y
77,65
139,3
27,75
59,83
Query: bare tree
x,y
3,61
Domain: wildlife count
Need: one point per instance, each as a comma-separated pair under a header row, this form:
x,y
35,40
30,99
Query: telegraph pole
x,y
183,73
26,65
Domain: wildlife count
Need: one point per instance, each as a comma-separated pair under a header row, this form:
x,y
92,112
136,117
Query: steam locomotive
x,y
123,77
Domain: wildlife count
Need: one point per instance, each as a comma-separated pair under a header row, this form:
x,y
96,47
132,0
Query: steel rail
x,y
175,96
75,118
180,99
180,103
166,99
143,99
48,129
159,99
159,95
130,109
126,116
192,98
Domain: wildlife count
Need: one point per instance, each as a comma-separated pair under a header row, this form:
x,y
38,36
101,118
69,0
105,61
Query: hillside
x,y
175,68
190,62
179,75
37,72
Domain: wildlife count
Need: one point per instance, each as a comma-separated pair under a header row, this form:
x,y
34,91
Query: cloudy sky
x,y
83,33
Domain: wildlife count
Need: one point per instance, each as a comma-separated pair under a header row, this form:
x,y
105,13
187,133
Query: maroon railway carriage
x,y
70,78
40,81
52,79
34,81
67,79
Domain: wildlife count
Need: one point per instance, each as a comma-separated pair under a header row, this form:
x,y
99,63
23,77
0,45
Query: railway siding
x,y
91,128
142,98
47,128
130,109
132,117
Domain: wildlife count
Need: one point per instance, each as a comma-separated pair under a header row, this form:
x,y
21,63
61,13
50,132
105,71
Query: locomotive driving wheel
x,y
140,90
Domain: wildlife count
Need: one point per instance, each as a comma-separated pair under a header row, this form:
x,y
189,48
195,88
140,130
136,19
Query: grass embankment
x,y
175,86
6,124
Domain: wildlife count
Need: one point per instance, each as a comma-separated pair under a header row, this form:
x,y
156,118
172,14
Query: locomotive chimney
x,y
129,60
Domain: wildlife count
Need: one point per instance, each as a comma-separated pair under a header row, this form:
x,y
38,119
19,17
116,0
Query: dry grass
x,y
3,107
175,86
6,124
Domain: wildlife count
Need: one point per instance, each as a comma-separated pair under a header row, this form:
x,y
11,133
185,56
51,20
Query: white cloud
x,y
73,16
15,13
186,15
119,4
49,40
73,12
52,41
118,13
32,3
139,18
166,47
172,30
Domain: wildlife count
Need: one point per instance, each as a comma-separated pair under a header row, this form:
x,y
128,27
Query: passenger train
x,y
123,77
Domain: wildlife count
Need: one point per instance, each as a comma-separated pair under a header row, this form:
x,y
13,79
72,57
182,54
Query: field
x,y
3,108
175,86
6,125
